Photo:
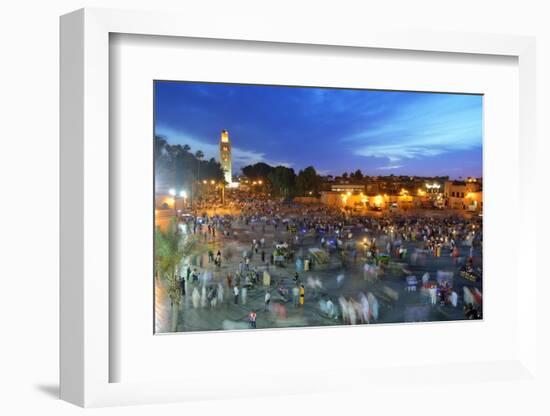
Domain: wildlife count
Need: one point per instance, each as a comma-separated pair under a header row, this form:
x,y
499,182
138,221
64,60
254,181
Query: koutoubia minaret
x,y
225,156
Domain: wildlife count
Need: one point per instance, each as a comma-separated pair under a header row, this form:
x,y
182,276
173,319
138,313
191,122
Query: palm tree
x,y
175,152
160,147
170,250
169,256
199,155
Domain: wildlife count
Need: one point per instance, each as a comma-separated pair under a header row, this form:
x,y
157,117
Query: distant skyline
x,y
334,130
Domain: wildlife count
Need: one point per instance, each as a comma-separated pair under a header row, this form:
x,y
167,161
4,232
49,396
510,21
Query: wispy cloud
x,y
433,126
390,167
334,130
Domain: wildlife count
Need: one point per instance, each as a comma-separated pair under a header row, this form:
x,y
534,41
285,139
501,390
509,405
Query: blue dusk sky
x,y
334,130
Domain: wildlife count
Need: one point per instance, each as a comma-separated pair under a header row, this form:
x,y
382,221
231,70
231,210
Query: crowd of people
x,y
261,231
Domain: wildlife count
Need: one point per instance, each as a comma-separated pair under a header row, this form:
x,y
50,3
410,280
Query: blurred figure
x,y
425,278
373,305
282,291
340,280
365,309
454,299
344,309
267,299
213,297
295,295
331,309
229,280
252,319
220,293
244,292
279,310
196,298
433,295
352,312
302,295
203,297
236,294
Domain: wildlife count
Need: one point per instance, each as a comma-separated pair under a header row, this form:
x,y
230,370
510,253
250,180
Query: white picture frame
x,y
85,214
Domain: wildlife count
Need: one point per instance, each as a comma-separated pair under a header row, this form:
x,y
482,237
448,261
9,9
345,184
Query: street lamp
x,y
172,193
183,194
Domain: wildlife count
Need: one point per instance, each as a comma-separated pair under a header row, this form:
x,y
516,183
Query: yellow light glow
x,y
212,182
170,201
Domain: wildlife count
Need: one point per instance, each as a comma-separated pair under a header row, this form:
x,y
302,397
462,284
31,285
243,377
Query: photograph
x,y
279,206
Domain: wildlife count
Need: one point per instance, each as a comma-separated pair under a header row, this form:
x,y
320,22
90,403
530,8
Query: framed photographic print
x,y
316,207
332,203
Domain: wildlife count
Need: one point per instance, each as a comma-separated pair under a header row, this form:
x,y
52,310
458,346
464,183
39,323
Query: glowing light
x,y
183,194
225,136
212,182
172,192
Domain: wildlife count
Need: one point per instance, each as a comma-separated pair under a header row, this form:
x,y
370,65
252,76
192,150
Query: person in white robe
x,y
196,298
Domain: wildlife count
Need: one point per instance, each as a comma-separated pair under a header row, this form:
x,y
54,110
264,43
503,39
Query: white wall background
x,y
29,205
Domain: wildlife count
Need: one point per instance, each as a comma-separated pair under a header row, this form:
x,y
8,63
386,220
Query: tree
x,y
308,181
358,175
257,171
175,152
169,255
282,180
160,146
170,250
199,155
345,175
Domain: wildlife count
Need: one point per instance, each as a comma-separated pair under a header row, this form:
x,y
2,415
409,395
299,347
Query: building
x,y
464,194
347,187
225,157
